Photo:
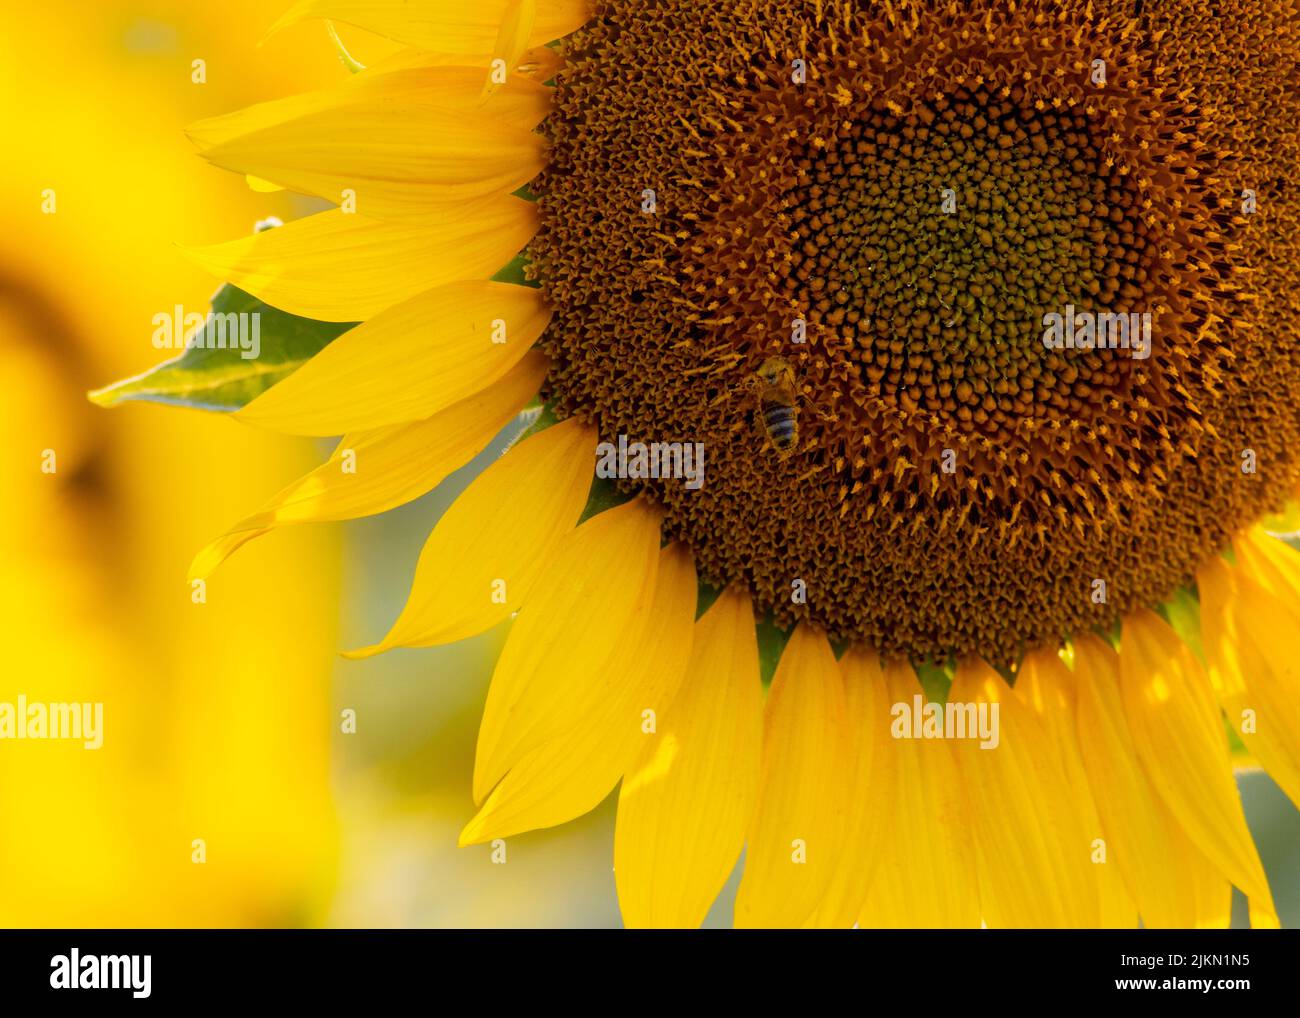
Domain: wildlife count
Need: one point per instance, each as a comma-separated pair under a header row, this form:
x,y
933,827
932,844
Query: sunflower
x,y
892,200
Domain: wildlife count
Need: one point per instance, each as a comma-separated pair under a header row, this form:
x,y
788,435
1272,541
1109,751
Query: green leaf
x,y
1183,613
534,420
771,643
209,378
605,494
515,271
705,595
936,680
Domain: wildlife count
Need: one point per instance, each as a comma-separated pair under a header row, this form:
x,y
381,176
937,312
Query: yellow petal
x,y
571,773
336,267
372,472
1047,687
799,827
1271,563
1178,733
262,186
512,39
1285,522
926,876
537,64
869,793
1033,854
1172,883
430,157
540,63
551,673
453,28
408,362
1249,636
685,806
493,543
1212,893
521,103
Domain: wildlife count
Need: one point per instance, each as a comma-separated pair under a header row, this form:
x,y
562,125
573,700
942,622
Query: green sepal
x,y
771,645
224,380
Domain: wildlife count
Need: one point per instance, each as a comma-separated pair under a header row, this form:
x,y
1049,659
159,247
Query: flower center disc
x,y
892,205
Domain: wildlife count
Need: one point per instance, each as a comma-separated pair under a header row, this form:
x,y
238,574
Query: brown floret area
x,y
946,175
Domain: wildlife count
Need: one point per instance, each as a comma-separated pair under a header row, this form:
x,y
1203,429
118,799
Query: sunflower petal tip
x,y
261,185
190,251
103,397
361,653
482,784
472,834
286,19
199,569
195,134
485,825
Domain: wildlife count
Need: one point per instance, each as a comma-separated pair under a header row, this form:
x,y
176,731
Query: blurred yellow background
x,y
216,716
222,720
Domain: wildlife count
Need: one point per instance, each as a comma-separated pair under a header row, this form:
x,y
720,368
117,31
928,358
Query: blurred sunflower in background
x,y
216,726
923,499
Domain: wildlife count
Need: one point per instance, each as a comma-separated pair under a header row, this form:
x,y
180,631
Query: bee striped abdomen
x,y
779,419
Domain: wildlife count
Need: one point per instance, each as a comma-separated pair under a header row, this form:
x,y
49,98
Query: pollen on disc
x,y
910,189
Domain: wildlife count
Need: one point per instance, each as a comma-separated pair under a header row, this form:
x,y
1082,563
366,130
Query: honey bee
x,y
778,405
